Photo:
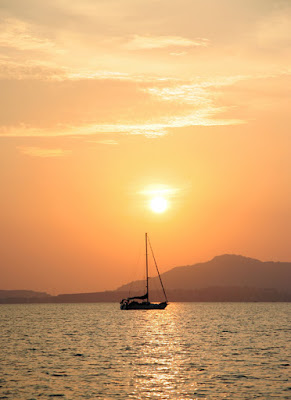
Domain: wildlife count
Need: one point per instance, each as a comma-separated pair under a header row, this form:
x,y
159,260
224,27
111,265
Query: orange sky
x,y
105,103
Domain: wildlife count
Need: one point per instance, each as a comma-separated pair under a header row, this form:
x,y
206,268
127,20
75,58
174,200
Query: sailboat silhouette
x,y
132,303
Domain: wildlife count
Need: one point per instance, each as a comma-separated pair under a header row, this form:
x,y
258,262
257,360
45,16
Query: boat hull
x,y
143,306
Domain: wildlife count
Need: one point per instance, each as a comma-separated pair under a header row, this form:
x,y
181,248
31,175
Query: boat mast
x,y
147,272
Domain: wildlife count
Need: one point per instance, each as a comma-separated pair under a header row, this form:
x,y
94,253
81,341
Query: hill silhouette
x,y
24,294
227,277
227,270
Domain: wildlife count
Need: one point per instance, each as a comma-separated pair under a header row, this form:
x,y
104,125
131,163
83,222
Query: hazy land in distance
x,y
228,278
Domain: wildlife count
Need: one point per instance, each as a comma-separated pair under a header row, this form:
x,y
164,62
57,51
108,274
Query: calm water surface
x,y
188,351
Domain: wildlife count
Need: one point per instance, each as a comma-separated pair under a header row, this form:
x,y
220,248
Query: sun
x,y
158,204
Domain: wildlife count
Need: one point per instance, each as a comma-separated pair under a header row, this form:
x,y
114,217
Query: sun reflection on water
x,y
161,356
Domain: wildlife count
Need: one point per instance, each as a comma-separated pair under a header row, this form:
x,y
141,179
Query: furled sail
x,y
145,296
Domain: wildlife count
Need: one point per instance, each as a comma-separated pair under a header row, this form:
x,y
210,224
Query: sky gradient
x,y
108,103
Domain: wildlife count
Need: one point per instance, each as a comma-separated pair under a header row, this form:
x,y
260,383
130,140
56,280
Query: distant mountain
x,y
225,278
24,294
227,270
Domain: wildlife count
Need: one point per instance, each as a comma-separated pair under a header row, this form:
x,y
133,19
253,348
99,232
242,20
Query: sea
x,y
187,351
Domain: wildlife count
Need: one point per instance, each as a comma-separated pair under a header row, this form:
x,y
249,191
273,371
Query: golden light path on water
x,y
158,369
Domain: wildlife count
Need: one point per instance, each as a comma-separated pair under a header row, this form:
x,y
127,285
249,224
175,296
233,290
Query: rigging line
x,y
157,269
135,278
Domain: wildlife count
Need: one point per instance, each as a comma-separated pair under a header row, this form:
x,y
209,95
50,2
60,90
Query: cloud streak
x,y
139,42
143,108
155,129
108,142
20,35
42,152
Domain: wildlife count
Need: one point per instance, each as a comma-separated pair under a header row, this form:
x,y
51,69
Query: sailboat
x,y
132,303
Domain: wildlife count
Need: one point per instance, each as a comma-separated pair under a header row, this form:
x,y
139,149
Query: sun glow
x,y
158,204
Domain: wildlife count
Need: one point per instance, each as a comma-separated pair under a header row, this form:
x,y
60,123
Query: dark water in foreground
x,y
189,351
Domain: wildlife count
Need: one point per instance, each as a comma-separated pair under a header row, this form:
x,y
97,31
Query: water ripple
x,y
188,351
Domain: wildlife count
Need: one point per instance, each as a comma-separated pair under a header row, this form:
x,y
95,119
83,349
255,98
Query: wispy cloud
x,y
30,69
178,53
196,93
201,117
99,74
139,42
42,152
149,107
21,35
108,142
173,104
44,70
